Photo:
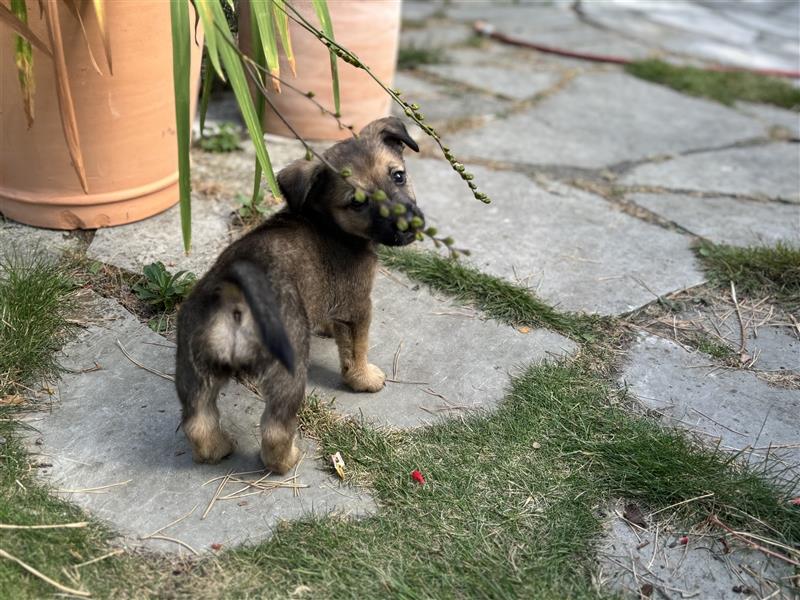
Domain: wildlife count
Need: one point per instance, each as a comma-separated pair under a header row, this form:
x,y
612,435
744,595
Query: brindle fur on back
x,y
309,267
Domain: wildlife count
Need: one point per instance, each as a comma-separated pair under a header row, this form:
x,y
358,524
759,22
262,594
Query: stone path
x,y
601,185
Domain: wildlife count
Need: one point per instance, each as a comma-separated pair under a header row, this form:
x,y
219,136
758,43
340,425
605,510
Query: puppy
x,y
309,267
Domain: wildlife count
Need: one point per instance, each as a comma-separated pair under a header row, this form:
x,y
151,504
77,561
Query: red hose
x,y
485,29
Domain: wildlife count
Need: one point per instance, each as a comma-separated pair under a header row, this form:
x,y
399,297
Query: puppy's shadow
x,y
323,376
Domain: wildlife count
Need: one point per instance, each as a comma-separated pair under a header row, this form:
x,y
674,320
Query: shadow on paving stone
x,y
602,119
571,248
733,407
449,360
634,561
217,179
117,425
733,221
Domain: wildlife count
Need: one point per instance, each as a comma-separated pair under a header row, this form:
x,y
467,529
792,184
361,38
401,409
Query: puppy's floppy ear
x,y
297,181
392,132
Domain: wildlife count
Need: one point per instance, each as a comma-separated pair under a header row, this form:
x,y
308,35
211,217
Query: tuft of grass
x,y
499,299
410,57
35,301
723,86
713,348
755,271
225,139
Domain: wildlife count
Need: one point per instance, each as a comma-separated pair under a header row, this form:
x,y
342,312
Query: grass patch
x,y
515,494
34,305
411,57
755,271
723,86
499,299
713,348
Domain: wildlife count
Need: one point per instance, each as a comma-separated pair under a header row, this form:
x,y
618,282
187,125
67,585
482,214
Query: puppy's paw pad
x,y
370,379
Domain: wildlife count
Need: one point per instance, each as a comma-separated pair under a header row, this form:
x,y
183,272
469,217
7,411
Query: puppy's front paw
x,y
369,379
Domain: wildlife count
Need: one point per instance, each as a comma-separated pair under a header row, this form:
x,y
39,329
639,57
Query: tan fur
x,y
209,443
308,268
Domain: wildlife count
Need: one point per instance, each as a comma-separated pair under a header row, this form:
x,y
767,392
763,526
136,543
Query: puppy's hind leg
x,y
198,395
284,394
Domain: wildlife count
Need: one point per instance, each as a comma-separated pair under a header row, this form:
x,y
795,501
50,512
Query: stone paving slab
x,y
439,103
159,238
772,115
735,407
435,36
451,360
770,339
769,170
118,424
703,568
728,220
573,249
19,238
727,32
514,83
591,124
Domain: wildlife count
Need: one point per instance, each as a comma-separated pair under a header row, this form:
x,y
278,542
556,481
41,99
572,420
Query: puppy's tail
x,y
262,300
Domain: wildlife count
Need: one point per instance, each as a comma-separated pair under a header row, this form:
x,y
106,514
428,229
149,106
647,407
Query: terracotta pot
x,y
126,123
368,28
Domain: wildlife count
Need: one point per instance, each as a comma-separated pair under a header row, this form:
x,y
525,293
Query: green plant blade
x,y
21,28
281,18
23,57
261,22
321,8
181,63
238,81
207,15
208,83
258,56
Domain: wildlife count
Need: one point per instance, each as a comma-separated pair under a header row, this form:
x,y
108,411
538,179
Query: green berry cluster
x,y
389,209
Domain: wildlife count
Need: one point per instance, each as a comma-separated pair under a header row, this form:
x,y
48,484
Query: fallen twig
x,y
744,536
175,522
174,541
216,495
141,366
101,489
61,526
742,332
99,558
43,577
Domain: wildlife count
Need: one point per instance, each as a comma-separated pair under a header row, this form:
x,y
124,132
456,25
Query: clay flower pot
x,y
368,28
126,122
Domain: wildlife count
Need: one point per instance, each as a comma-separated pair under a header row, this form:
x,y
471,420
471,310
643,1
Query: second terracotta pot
x,y
368,28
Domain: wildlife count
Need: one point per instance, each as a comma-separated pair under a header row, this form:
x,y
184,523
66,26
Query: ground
x,y
602,397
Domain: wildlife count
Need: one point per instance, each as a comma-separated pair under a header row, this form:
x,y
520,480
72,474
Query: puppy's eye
x,y
399,177
356,205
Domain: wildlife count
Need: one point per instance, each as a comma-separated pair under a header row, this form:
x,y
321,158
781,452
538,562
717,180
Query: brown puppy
x,y
310,266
